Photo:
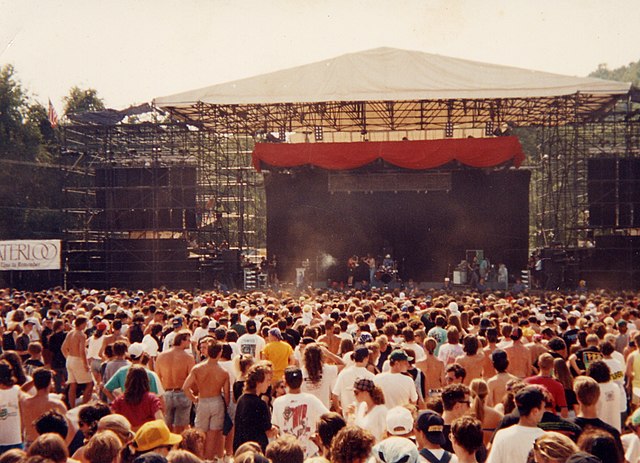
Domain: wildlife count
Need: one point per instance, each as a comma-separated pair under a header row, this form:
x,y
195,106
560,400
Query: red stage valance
x,y
419,155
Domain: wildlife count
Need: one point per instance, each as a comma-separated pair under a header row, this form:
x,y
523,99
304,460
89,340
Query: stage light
x,y
319,133
282,135
448,130
488,129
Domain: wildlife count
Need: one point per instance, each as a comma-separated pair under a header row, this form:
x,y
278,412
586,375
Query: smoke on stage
x,y
326,260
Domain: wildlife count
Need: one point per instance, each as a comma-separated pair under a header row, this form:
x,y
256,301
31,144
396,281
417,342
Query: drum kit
x,y
386,274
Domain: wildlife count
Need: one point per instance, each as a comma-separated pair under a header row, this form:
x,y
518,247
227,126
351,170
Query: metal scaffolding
x,y
559,163
229,206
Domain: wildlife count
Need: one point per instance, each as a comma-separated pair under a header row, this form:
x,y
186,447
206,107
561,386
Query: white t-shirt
x,y
168,341
513,444
251,344
375,421
199,333
631,444
298,415
343,387
348,359
10,424
150,345
398,389
617,376
228,366
417,348
610,404
321,389
94,346
449,352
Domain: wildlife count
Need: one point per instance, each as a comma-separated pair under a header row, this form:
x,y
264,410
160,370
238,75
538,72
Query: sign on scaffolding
x,y
30,254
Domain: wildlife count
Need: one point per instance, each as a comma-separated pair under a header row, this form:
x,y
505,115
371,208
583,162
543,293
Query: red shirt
x,y
140,413
553,386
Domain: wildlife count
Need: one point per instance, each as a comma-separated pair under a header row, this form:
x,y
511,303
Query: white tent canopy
x,y
388,74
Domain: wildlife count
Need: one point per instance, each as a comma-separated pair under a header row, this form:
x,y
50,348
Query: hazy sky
x,y
132,51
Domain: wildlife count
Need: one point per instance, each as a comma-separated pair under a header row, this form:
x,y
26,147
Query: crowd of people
x,y
115,376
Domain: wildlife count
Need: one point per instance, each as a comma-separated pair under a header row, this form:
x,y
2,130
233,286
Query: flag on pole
x,y
53,116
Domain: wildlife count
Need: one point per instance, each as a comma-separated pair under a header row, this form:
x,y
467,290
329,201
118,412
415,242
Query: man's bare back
x,y
487,364
74,344
519,360
498,387
33,408
473,365
173,367
211,379
433,370
331,341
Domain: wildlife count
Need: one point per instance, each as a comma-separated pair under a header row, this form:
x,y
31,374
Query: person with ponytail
x,y
370,413
319,376
489,417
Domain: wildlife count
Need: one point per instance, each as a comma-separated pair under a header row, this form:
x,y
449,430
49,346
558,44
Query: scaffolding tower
x,y
228,210
559,163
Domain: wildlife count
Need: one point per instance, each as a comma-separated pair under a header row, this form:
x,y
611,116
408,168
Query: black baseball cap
x,y
432,425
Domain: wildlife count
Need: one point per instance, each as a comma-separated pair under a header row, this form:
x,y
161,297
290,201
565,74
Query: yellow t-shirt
x,y
278,353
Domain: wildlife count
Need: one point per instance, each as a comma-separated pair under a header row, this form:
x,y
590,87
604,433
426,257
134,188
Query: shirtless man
x,y
329,338
116,335
212,383
32,407
74,350
519,356
498,384
173,367
432,368
472,360
487,364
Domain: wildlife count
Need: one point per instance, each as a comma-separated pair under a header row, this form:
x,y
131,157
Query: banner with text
x,y
30,254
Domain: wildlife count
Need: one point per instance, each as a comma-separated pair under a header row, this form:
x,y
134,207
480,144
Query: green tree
x,y
80,101
628,73
20,136
29,188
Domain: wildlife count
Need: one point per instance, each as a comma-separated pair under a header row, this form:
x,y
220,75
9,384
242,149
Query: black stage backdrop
x,y
425,232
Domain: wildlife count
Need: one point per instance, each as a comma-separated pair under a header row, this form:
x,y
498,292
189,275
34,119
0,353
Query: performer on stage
x,y
352,263
272,271
370,261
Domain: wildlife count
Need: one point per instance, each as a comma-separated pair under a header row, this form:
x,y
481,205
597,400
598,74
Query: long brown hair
x,y
136,384
479,392
562,373
313,359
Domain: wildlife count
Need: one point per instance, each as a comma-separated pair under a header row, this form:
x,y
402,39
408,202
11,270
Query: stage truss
x,y
562,133
559,157
229,195
368,116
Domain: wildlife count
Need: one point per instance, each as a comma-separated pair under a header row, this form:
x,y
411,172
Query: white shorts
x,y
77,372
210,414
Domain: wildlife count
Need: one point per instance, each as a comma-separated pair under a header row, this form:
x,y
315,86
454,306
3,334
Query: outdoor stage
x,y
425,217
